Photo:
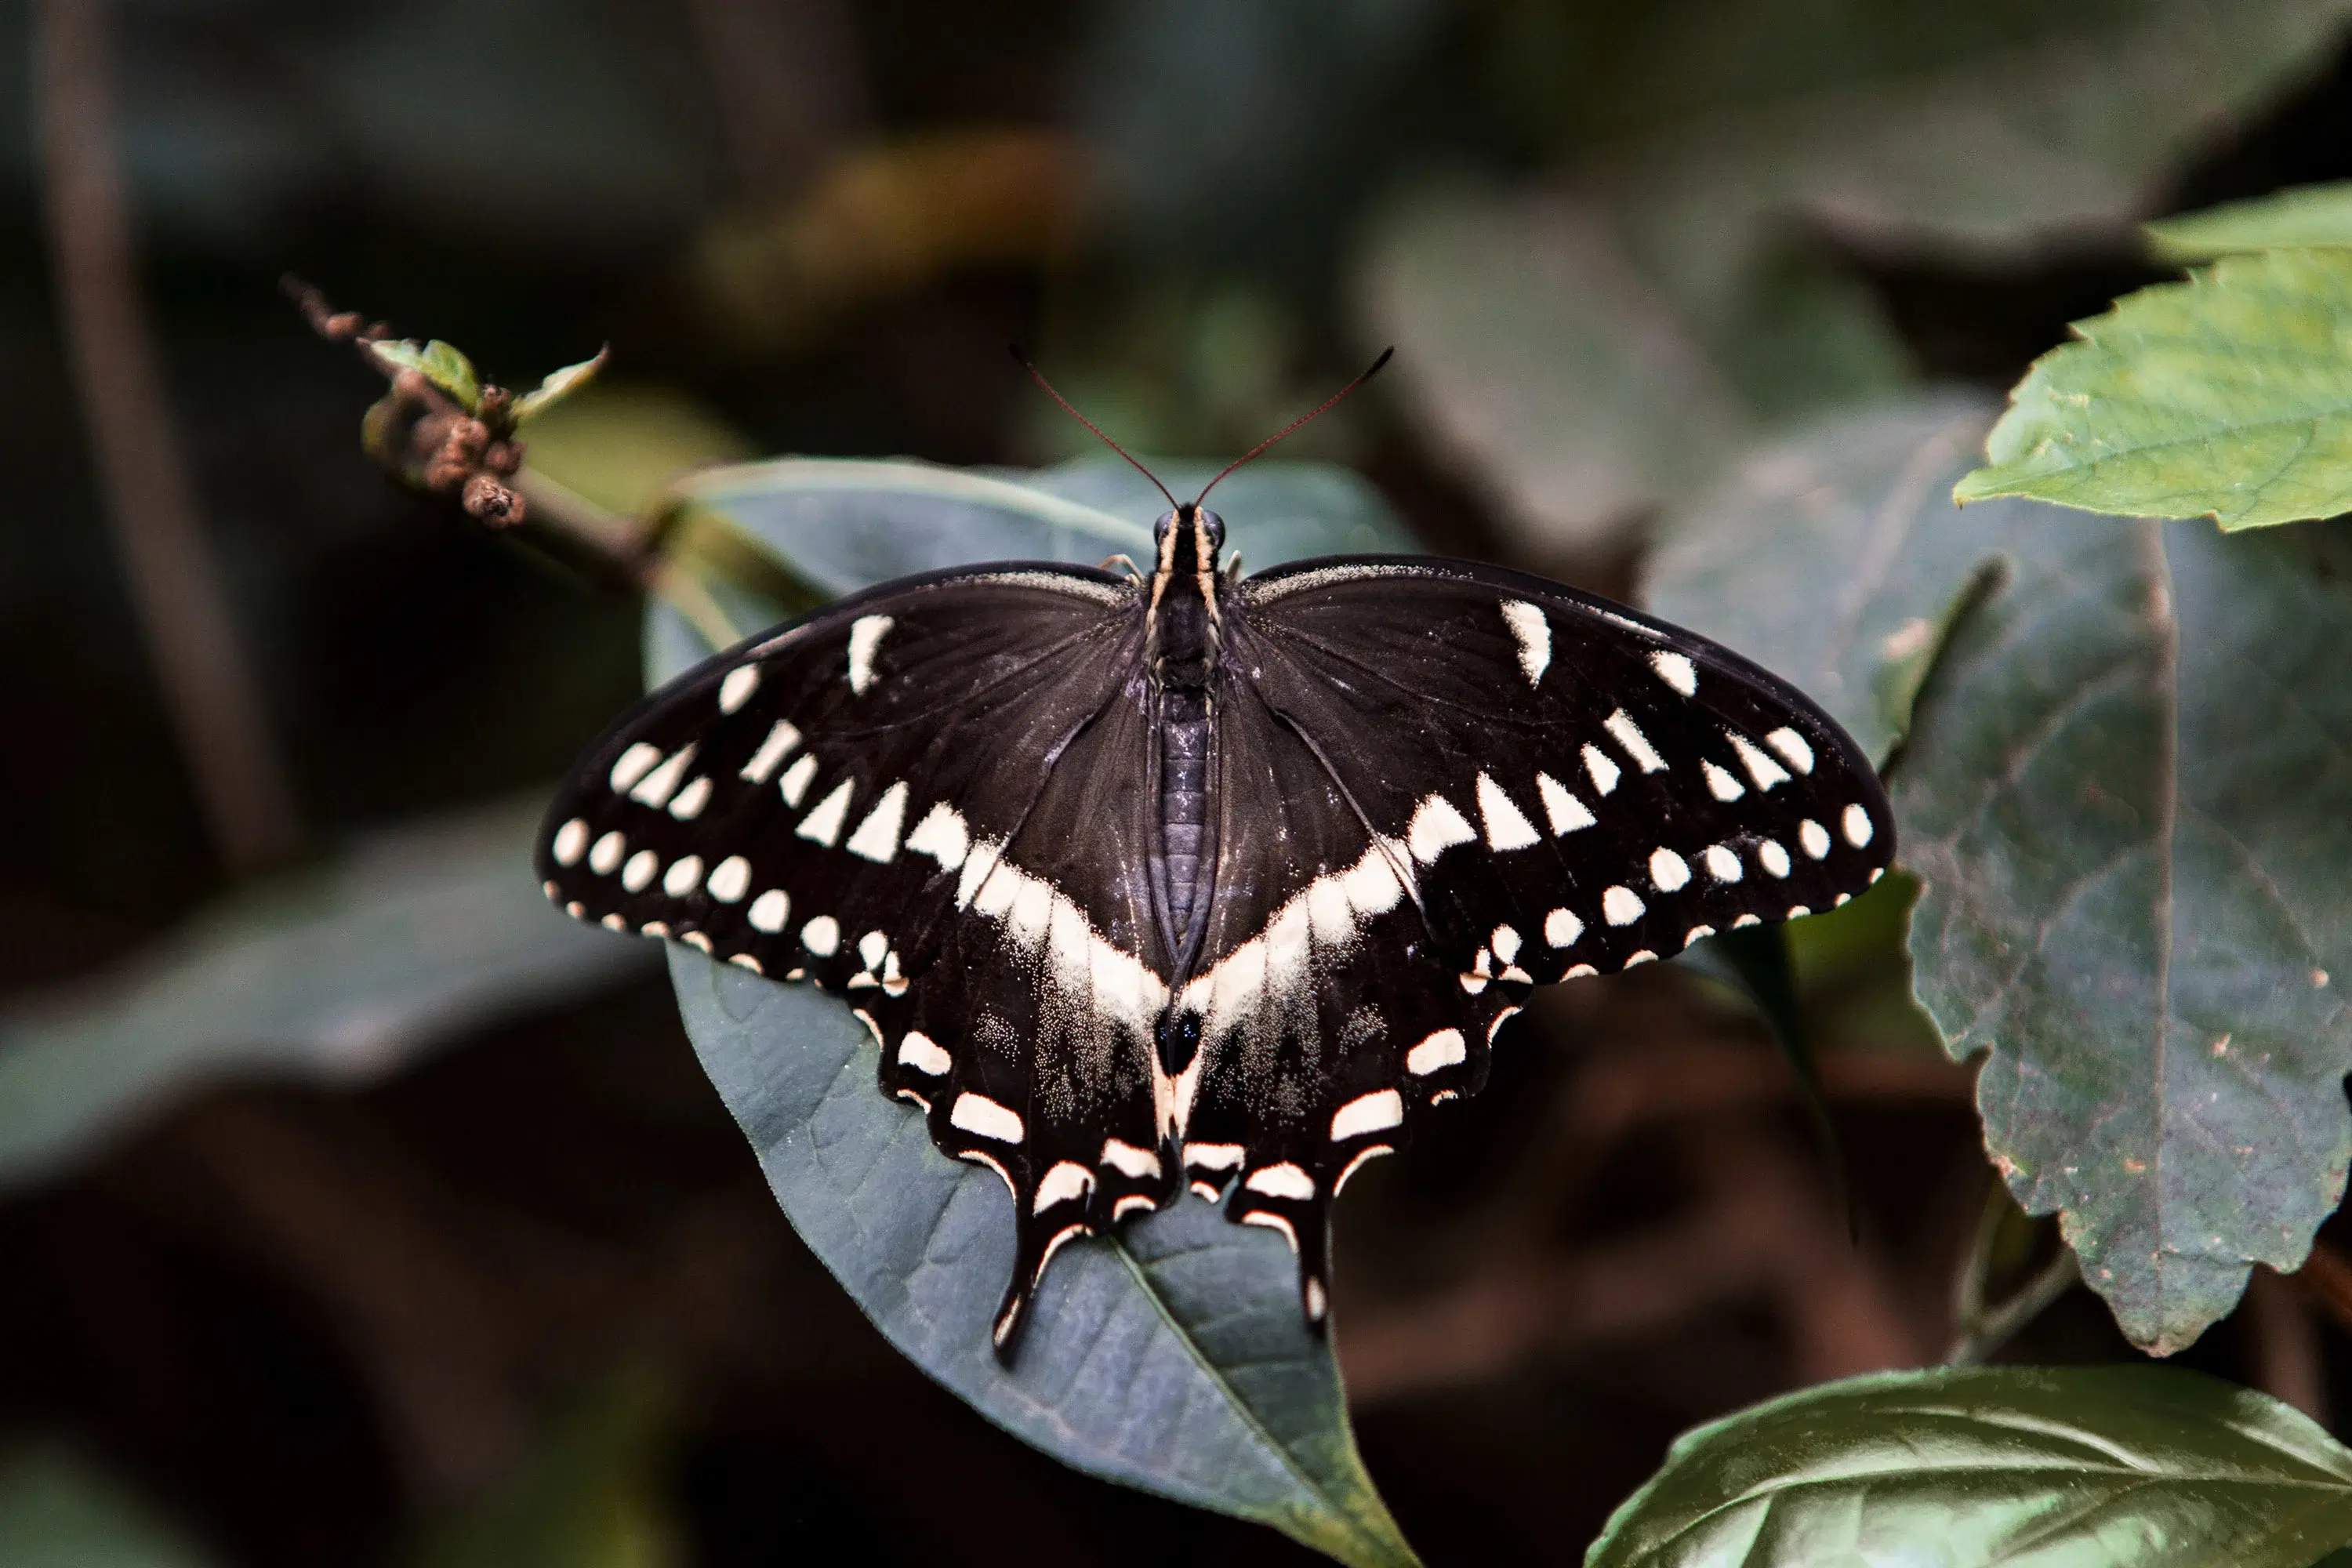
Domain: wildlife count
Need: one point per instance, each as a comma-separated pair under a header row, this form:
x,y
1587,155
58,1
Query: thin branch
x,y
174,586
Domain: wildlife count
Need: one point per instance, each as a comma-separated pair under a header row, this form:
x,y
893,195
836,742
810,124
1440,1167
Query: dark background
x,y
536,1279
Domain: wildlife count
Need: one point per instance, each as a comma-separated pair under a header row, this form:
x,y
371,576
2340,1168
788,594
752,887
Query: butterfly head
x,y
1188,539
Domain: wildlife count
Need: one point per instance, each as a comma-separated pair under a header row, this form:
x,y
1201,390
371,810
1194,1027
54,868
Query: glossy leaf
x,y
438,362
559,385
2227,397
56,1511
840,524
2126,786
2306,218
340,973
2056,1467
1171,1357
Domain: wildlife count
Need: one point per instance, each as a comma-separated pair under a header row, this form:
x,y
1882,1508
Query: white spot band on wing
x,y
1284,1181
1677,671
781,740
632,766
1629,735
979,1115
1375,1113
1562,809
1604,771
730,880
737,688
1436,827
1507,826
823,826
1440,1051
925,1055
1534,634
656,788
1760,767
876,838
864,640
941,836
1136,1164
1066,1181
1792,746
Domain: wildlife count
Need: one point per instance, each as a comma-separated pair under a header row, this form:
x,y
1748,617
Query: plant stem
x,y
623,542
1980,1329
177,593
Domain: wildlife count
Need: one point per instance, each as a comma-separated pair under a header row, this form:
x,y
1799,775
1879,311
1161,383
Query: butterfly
x,y
1144,882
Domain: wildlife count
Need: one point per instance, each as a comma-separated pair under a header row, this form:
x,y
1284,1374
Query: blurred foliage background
x,y
350,1215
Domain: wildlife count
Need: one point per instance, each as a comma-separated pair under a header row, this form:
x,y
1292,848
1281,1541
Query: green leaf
x,y
2127,790
559,385
1171,1357
2228,396
621,445
339,972
2072,1467
57,1512
440,364
2307,217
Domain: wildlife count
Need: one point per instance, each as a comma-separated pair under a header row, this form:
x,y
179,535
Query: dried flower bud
x,y
467,438
492,502
503,456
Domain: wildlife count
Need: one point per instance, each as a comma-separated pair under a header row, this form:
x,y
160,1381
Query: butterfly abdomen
x,y
1183,800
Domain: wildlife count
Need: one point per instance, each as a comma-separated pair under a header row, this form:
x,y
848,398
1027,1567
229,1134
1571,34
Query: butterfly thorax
x,y
1182,645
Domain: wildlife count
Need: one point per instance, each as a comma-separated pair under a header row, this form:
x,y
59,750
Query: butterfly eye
x,y
1159,529
1216,527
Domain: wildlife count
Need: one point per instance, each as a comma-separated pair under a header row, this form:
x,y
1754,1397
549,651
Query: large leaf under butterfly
x,y
1143,883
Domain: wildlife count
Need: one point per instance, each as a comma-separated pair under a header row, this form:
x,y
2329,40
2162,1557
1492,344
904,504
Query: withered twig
x,y
182,606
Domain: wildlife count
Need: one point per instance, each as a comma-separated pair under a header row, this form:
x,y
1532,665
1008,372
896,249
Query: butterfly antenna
x,y
1039,377
1369,371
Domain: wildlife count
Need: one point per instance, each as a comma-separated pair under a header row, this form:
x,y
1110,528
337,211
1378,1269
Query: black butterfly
x,y
1142,881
